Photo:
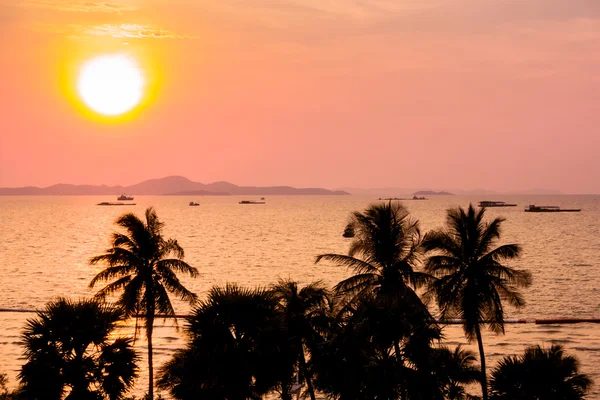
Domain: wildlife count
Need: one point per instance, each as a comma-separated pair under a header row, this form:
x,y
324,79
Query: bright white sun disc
x,y
111,84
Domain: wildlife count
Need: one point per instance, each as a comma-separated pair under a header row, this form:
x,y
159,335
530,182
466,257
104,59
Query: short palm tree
x,y
539,374
456,370
302,309
68,348
144,273
237,348
472,280
383,253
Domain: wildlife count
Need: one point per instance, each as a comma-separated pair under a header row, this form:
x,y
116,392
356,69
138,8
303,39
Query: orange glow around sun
x,y
109,87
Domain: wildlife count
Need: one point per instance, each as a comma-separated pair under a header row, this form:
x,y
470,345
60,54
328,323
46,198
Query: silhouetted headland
x,y
171,185
432,193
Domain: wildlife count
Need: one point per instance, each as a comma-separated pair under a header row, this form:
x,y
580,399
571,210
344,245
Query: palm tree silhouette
x,y
539,374
455,370
237,348
383,254
68,348
301,310
139,261
472,280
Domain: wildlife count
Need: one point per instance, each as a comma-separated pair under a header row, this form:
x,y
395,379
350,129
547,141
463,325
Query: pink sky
x,y
495,94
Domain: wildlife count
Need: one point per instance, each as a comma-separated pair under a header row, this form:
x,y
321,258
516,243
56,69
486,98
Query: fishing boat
x,y
108,203
124,197
194,204
251,202
539,209
484,204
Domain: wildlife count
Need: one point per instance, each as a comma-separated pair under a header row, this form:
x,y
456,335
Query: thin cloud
x,y
86,6
123,31
131,31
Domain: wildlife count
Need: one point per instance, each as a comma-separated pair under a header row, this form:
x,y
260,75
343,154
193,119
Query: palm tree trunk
x,y
150,307
484,391
150,366
306,375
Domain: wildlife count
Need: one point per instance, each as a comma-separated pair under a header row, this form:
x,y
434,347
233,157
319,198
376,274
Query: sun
x,y
111,85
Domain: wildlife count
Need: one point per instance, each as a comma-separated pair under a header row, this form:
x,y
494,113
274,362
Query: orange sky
x,y
496,94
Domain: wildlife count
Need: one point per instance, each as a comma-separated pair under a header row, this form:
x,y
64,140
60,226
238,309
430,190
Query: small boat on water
x,y
484,204
262,198
534,208
124,197
251,202
108,203
194,204
419,198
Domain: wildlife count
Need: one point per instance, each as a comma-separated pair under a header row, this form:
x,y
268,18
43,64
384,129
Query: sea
x,y
46,243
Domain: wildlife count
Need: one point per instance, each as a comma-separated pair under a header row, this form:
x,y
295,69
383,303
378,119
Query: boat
x,y
193,204
484,204
262,198
534,208
123,196
108,203
251,202
419,198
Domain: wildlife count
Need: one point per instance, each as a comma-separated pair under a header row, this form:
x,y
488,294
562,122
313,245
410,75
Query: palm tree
x,y
455,370
539,374
473,282
68,349
139,261
302,309
382,254
237,348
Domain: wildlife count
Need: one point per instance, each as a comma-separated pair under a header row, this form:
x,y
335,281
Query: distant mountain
x,y
171,185
432,193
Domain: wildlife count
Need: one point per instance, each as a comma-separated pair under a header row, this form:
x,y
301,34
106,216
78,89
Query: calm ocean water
x,y
45,244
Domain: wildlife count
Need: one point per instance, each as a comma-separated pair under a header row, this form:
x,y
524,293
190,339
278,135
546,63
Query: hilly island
x,y
168,186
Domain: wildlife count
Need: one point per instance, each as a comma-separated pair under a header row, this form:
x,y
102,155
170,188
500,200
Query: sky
x,y
496,94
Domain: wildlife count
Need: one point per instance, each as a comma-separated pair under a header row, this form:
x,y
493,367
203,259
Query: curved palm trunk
x,y
482,358
306,376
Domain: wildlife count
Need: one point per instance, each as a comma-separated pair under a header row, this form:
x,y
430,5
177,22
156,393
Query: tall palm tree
x,y
302,309
473,282
68,346
237,348
144,274
383,253
539,374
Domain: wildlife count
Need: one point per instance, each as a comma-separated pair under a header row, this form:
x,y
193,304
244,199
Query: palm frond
x,y
178,266
359,266
111,272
